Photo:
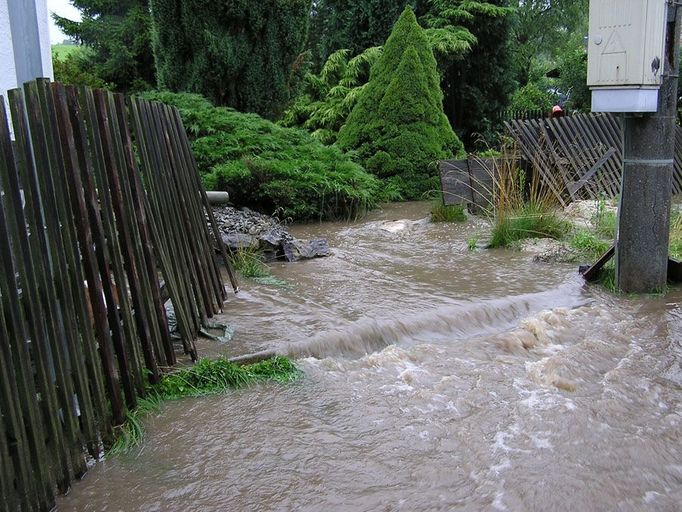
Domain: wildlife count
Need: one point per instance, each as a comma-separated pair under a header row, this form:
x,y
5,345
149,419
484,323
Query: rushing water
x,y
436,378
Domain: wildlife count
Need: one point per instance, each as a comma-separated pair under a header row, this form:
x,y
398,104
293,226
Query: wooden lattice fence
x,y
100,203
580,157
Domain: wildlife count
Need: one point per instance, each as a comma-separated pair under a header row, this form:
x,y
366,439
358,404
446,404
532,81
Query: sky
x,y
65,9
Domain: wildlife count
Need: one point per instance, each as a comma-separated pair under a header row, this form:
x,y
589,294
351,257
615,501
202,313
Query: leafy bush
x,y
328,98
531,97
271,168
71,67
398,128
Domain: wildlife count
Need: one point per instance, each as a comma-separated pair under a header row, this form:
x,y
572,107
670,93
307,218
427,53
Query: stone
x,y
297,250
247,229
237,241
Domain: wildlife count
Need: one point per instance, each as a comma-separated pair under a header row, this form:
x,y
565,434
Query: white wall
x,y
44,30
8,74
8,78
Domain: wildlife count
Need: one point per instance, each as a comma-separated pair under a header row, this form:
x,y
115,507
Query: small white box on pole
x,y
625,54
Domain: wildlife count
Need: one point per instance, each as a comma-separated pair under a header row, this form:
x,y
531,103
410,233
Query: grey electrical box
x,y
625,54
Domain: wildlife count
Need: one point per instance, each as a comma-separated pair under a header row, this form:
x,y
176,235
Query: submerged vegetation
x,y
249,263
447,213
207,377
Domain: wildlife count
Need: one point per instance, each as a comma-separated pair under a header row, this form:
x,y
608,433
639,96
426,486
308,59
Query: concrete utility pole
x,y
649,150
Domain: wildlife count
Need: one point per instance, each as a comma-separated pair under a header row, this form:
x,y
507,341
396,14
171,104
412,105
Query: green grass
x,y
676,236
207,377
447,213
588,245
62,51
605,224
527,222
249,263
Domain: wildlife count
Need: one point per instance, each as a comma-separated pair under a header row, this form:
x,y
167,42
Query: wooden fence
x,y
580,157
469,182
100,203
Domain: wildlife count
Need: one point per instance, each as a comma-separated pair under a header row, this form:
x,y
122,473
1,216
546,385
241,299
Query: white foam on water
x,y
498,504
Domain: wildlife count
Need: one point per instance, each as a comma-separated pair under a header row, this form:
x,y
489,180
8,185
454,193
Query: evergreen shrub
x,y
270,168
397,128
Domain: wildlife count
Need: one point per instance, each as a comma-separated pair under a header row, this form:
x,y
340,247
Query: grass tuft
x,y
588,245
249,263
447,213
676,236
527,221
206,377
521,206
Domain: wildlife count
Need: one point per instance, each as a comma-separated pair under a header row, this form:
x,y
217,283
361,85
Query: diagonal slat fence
x,y
580,157
103,220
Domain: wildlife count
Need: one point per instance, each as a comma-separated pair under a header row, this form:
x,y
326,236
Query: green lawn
x,y
61,51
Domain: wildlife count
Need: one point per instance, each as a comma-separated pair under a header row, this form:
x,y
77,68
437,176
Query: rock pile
x,y
245,229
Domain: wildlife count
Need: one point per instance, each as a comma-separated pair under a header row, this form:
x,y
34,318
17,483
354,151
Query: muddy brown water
x,y
436,378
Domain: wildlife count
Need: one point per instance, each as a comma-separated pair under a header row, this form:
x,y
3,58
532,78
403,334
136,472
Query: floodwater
x,y
436,378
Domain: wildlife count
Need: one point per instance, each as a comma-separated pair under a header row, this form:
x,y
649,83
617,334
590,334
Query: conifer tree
x,y
118,33
398,127
236,53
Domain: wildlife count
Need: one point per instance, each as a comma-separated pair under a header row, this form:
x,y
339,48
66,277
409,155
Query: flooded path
x,y
436,378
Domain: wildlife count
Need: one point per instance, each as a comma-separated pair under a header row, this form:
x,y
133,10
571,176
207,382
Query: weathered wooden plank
x,y
94,410
158,222
194,174
144,224
69,283
113,278
196,210
455,182
143,300
592,273
192,249
13,385
53,300
114,162
95,254
26,390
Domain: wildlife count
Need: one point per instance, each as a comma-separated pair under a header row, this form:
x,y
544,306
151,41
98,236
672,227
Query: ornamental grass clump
x,y
397,128
521,208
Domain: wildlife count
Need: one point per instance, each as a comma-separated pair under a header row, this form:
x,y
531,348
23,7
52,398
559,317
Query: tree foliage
x,y
469,40
118,35
328,98
237,53
353,25
541,30
477,87
398,127
72,69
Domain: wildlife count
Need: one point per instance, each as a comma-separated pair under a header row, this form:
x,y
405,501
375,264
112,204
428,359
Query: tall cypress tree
x,y
118,33
237,53
398,127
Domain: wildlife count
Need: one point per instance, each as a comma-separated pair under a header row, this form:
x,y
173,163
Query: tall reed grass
x,y
521,206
